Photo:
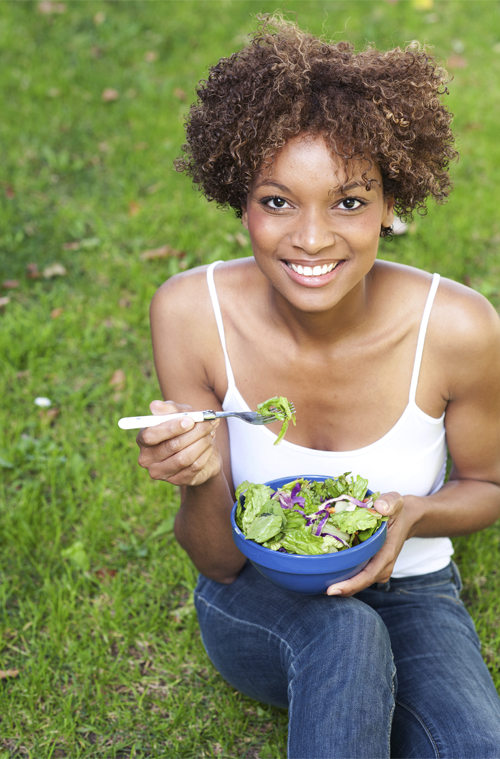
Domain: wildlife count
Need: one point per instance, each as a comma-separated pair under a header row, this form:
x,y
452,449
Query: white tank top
x,y
410,458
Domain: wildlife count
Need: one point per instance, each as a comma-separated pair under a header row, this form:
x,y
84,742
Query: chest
x,y
347,394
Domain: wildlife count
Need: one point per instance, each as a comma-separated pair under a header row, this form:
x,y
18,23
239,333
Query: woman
x,y
316,147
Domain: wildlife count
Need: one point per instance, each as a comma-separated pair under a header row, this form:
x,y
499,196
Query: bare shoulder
x,y
186,296
464,337
459,314
464,318
186,342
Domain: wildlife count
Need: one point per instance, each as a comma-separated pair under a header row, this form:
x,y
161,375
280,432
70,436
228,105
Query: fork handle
x,y
138,422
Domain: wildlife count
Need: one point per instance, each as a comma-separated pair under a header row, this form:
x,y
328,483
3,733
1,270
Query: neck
x,y
345,318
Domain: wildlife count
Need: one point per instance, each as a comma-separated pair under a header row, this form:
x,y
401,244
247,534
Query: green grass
x,y
95,595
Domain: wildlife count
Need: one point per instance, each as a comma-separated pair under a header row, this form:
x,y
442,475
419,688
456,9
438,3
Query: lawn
x,y
100,655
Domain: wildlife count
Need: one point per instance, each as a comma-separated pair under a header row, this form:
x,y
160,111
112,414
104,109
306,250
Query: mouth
x,y
312,271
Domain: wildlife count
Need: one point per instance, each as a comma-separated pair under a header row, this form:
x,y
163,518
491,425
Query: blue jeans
x,y
394,672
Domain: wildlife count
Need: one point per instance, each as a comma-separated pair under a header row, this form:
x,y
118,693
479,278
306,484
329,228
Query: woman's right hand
x,y
179,451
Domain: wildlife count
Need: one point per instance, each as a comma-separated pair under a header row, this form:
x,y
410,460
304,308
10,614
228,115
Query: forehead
x,y
311,156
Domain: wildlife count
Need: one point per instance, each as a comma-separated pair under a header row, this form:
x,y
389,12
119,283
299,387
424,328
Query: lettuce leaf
x,y
264,527
281,409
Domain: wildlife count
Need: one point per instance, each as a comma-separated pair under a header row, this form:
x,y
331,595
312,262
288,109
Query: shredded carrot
x,y
331,509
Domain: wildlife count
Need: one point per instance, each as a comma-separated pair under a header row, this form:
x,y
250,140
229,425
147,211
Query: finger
x,y
181,467
176,432
389,504
167,407
375,571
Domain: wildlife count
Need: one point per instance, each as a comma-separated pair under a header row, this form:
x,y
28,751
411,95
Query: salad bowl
x,y
311,575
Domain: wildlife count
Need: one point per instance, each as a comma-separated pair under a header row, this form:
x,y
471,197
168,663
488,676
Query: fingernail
x,y
383,506
187,423
334,592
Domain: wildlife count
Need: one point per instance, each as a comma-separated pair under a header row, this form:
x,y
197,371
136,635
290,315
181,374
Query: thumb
x,y
161,407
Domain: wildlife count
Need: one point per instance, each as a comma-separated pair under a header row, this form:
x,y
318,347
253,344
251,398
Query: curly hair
x,y
381,107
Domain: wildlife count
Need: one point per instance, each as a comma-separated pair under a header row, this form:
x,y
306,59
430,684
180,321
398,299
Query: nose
x,y
313,231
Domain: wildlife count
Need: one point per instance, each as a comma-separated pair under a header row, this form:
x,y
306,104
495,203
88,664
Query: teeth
x,y
317,271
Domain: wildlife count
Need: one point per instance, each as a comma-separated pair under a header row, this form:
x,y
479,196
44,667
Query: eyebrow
x,y
341,189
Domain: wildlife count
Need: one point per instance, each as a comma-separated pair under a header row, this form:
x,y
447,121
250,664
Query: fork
x,y
252,417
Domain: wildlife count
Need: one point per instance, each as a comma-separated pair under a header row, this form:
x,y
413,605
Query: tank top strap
x,y
421,336
218,318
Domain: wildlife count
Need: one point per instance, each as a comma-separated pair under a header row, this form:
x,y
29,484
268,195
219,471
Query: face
x,y
315,229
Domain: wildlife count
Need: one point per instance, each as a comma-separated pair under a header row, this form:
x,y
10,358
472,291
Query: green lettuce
x,y
291,524
281,409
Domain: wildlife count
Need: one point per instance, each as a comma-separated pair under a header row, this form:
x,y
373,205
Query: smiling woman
x,y
315,146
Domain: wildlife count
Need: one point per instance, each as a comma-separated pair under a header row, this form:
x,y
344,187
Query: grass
x,y
96,621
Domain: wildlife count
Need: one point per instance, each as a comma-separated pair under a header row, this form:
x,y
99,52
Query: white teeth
x,y
317,271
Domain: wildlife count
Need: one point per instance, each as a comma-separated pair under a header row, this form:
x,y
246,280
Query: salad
x,y
308,517
281,409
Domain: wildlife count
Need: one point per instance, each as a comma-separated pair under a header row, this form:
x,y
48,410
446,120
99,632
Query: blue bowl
x,y
307,574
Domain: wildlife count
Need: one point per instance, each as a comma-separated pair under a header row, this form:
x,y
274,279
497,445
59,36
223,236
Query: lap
x,y
264,641
446,702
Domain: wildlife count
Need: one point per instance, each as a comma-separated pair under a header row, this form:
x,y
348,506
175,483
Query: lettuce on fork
x,y
281,409
308,517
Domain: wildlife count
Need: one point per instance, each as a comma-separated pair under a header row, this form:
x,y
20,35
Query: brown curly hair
x,y
383,106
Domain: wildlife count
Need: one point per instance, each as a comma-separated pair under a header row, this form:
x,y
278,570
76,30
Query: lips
x,y
312,271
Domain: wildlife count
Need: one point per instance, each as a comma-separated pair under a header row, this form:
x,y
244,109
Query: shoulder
x,y
463,334
457,309
180,292
464,338
467,317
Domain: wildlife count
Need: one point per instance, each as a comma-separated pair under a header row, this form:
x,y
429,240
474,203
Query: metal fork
x,y
252,417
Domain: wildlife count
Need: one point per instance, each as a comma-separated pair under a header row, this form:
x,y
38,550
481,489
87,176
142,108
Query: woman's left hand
x,y
380,567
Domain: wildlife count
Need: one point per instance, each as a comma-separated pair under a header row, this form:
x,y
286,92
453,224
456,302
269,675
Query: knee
x,y
345,629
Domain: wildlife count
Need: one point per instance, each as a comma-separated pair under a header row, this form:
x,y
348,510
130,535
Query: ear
x,y
388,212
244,217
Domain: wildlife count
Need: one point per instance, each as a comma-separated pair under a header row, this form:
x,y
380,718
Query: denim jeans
x,y
395,671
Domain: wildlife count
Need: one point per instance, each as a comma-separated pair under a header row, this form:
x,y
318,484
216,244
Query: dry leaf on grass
x,y
48,415
56,313
4,301
48,7
150,56
9,192
105,573
10,284
109,95
118,379
55,270
457,62
32,271
133,208
164,252
4,673
180,94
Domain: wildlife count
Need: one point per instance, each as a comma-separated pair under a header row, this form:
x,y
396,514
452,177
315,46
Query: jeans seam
x,y
245,622
393,691
426,729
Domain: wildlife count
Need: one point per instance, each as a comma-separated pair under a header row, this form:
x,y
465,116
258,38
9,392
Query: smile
x,y
315,271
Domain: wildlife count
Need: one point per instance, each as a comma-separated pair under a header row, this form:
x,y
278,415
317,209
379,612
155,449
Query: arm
x,y
195,457
467,348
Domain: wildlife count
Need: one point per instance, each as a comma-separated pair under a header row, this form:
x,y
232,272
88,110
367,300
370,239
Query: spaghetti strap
x,y
421,336
218,319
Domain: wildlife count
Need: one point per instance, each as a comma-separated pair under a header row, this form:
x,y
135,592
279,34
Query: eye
x,y
275,203
350,204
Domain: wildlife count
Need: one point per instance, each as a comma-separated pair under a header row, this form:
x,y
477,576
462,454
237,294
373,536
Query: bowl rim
x,y
292,558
